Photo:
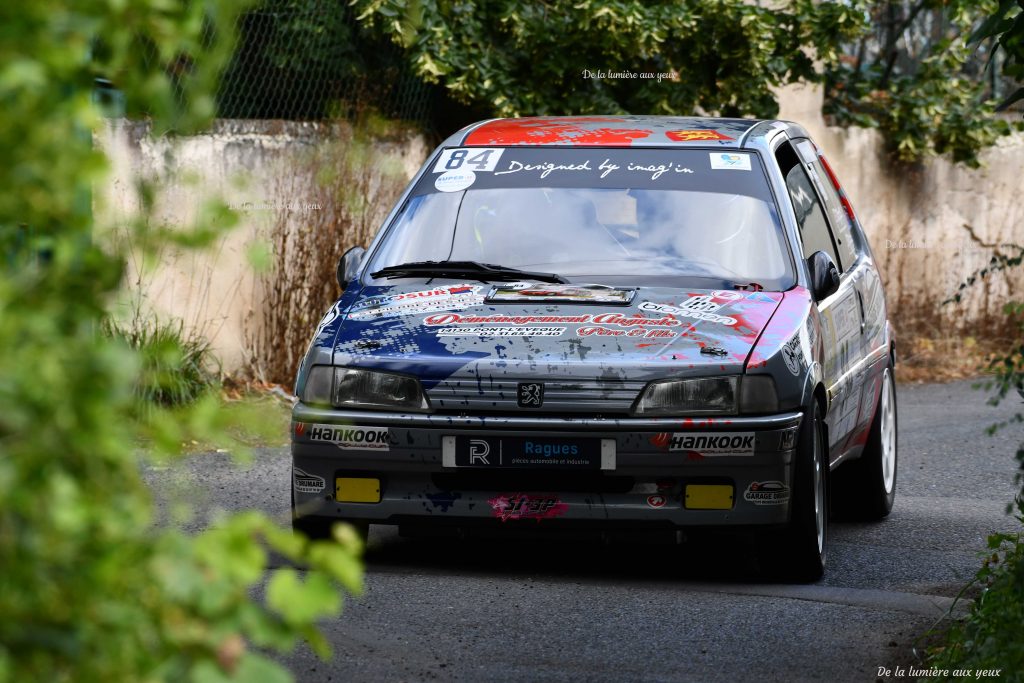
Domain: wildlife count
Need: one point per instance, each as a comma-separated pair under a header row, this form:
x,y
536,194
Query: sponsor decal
x,y
304,482
500,331
555,292
767,493
531,395
699,310
352,438
695,135
715,443
454,181
478,160
726,295
426,301
723,161
527,506
791,354
598,331
300,428
456,319
656,501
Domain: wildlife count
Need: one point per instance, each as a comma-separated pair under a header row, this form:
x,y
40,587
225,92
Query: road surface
x,y
546,611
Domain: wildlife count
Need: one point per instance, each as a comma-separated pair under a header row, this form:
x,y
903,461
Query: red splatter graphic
x,y
695,135
555,131
300,428
527,506
661,440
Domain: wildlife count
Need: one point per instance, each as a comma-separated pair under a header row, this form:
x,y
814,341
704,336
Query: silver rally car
x,y
615,322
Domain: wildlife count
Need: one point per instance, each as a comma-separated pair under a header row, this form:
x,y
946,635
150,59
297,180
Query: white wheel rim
x,y
819,492
888,433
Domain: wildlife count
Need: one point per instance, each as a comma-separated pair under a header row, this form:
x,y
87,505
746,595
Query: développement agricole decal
x,y
713,443
351,437
500,331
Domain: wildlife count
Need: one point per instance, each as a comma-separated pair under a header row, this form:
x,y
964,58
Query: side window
x,y
842,227
814,232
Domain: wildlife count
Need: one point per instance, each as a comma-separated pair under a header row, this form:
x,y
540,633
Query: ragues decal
x,y
715,443
557,293
766,493
351,438
304,482
527,506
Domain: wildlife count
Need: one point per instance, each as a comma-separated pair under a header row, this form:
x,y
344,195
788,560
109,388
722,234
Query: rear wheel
x,y
867,485
799,551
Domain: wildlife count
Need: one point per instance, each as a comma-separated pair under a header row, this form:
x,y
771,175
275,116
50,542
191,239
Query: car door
x,y
854,250
841,312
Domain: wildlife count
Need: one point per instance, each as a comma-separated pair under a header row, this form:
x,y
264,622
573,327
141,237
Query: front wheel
x,y
868,484
799,551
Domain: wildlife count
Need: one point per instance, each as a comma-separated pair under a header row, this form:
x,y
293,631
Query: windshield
x,y
661,217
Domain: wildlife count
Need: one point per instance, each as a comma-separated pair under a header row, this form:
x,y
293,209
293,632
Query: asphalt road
x,y
585,611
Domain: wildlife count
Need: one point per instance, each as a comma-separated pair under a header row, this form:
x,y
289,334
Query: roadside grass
x,y
925,358
991,637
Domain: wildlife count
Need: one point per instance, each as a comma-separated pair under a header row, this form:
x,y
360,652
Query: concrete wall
x,y
929,225
251,166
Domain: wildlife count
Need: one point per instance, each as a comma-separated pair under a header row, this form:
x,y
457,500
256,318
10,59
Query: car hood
x,y
540,330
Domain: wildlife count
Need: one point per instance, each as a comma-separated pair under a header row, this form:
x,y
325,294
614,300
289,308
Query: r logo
x,y
531,394
478,451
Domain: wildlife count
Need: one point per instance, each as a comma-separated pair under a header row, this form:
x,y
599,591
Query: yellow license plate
x,y
708,497
356,490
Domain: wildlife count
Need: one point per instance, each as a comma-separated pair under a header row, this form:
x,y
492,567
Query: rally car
x,y
614,322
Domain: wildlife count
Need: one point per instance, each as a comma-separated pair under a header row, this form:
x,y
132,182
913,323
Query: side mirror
x,y
824,275
348,265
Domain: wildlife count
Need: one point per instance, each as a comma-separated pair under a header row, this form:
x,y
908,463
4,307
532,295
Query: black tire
x,y
866,487
799,552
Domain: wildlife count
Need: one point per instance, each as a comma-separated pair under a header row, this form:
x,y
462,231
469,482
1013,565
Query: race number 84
x,y
472,158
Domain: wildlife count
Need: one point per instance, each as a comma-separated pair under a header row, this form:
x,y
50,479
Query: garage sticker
x,y
766,493
304,482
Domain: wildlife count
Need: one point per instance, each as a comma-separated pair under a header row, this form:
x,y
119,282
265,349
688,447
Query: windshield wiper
x,y
484,272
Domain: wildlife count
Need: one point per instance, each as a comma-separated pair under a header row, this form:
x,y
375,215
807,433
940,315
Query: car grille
x,y
599,397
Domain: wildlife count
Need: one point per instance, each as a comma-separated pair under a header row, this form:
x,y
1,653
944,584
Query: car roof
x,y
620,131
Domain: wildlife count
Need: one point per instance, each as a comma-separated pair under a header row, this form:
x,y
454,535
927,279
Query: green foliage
x,y
176,366
519,57
925,92
992,634
90,589
1006,26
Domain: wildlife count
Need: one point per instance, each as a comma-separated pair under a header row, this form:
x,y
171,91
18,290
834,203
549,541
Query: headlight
x,y
350,388
712,395
709,396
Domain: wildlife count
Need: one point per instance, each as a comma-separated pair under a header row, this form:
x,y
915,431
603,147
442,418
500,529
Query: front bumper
x,y
653,477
